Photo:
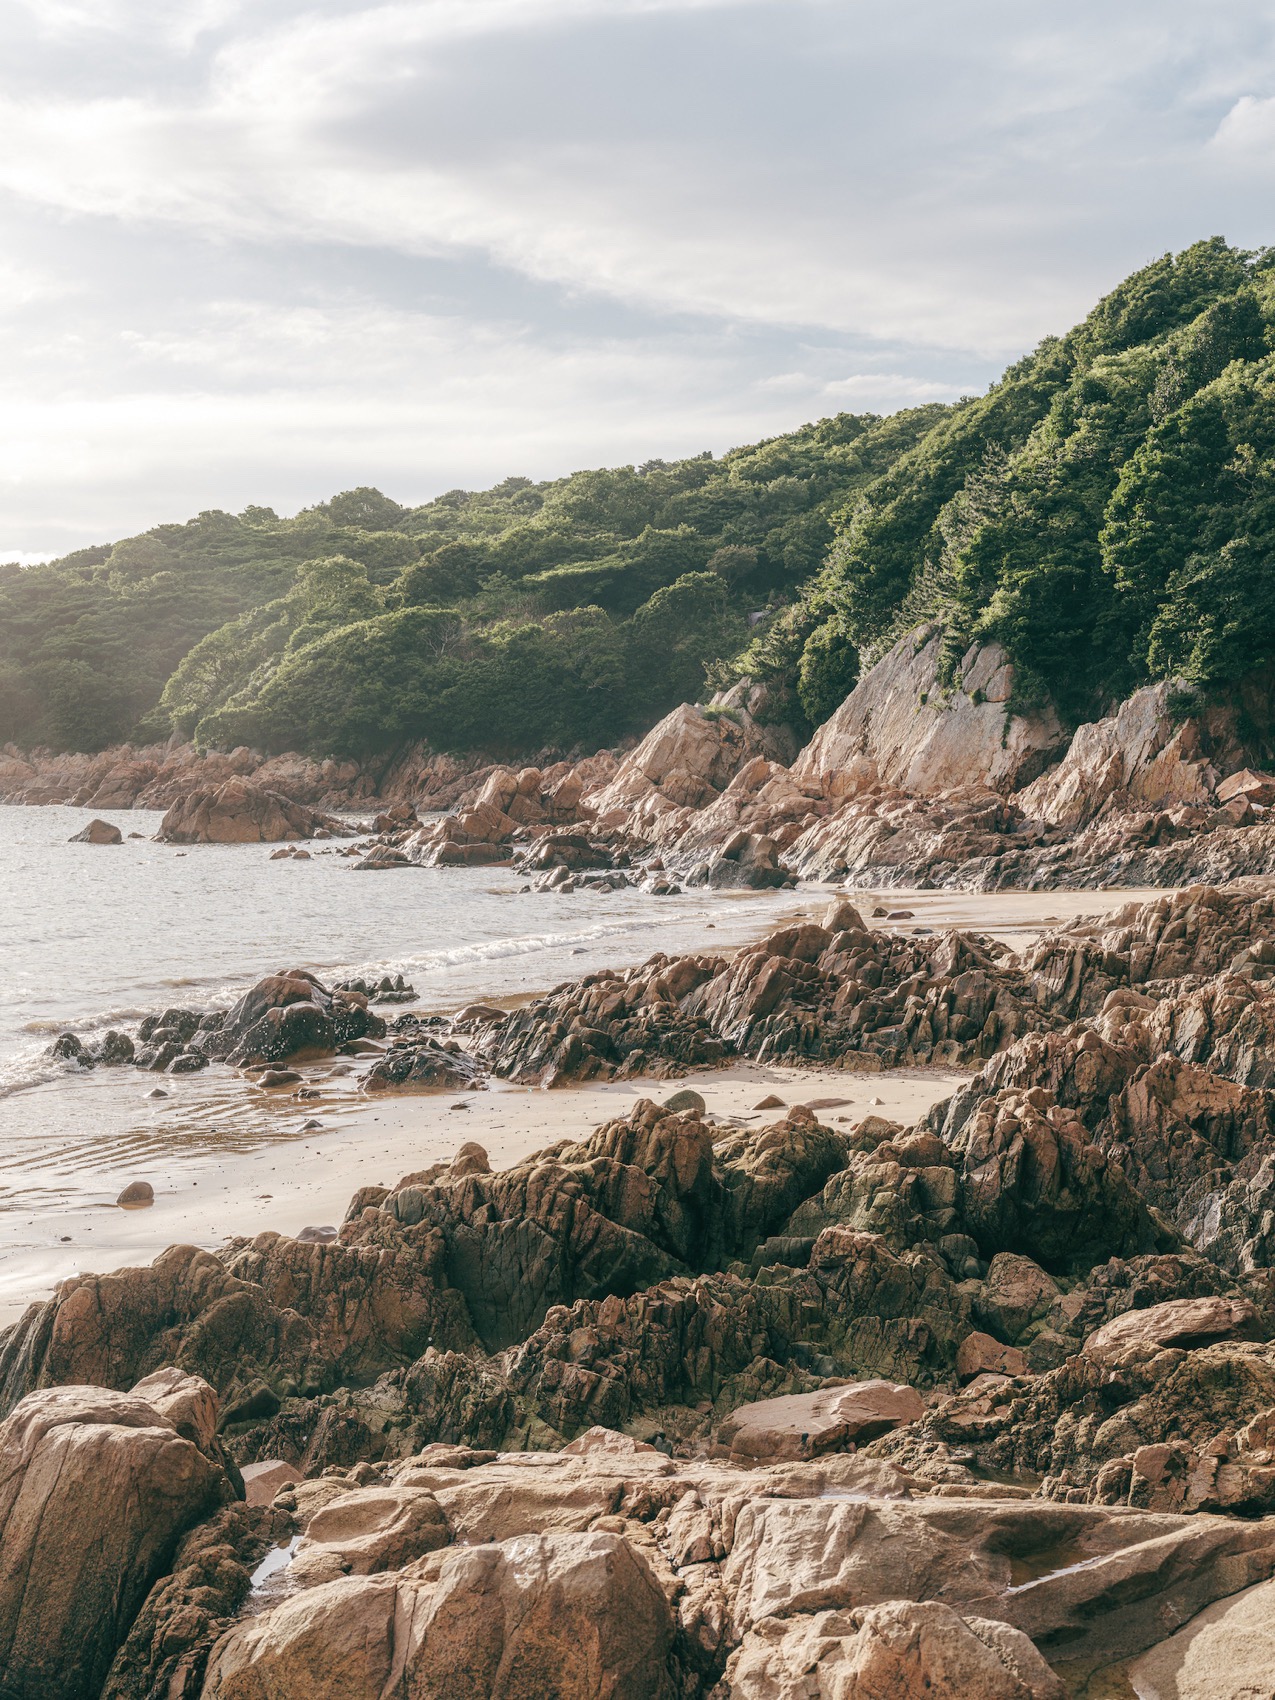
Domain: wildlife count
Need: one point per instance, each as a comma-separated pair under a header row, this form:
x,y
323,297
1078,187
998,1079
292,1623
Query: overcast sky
x,y
263,252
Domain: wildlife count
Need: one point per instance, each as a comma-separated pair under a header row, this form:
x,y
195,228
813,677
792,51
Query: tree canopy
x,y
1106,511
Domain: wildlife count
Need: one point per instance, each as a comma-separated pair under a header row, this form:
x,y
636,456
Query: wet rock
x,y
423,1066
286,1016
187,1610
136,1194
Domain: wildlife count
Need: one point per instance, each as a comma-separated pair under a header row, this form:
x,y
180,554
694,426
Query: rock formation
x,y
240,812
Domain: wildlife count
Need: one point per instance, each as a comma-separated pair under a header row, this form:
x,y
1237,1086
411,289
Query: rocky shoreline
x,y
983,1405
918,780
806,1407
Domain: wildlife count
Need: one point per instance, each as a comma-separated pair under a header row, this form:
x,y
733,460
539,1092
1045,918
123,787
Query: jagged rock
x,y
877,999
1032,1181
1141,756
185,1612
288,1015
1251,787
1072,1422
682,763
241,812
96,1489
423,1066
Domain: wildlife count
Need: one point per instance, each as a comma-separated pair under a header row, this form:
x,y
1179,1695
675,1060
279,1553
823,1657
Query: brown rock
x,y
264,1479
98,832
240,812
578,1617
802,1425
96,1488
979,1354
185,1401
136,1194
1226,1652
1180,1322
369,1530
897,1651
1251,787
899,727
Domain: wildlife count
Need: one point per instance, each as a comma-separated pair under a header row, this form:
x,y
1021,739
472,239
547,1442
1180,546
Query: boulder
x,y
1081,1581
98,832
1249,786
96,1489
578,1617
240,812
683,762
979,1354
136,1195
369,1530
806,1424
263,1480
1180,1322
289,1015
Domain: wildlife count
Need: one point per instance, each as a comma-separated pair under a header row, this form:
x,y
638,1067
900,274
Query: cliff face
x,y
900,727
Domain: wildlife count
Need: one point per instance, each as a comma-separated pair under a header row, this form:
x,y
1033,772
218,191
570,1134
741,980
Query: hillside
x,y
1106,512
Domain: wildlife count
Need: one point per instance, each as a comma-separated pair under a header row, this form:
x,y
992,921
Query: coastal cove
x,y
153,926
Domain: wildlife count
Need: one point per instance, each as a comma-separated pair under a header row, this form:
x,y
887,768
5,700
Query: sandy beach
x,y
228,1159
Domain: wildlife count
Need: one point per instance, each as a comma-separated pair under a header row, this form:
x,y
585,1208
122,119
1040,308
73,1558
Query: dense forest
x,y
1106,511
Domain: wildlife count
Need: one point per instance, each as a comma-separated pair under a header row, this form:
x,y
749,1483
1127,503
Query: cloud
x,y
521,227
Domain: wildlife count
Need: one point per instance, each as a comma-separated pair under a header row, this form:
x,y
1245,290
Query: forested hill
x,y
1106,511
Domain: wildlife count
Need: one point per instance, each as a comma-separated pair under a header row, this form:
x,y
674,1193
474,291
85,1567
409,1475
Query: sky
x,y
258,251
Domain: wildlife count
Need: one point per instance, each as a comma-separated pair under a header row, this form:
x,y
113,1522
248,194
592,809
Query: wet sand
x,y
300,1179
226,1158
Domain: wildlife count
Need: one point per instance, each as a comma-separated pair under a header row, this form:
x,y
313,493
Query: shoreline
x,y
267,1171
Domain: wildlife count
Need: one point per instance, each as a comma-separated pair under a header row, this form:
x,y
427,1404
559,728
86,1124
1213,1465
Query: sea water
x,y
95,936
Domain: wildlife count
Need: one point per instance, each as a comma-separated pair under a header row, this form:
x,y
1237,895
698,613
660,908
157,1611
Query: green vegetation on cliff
x,y
1106,511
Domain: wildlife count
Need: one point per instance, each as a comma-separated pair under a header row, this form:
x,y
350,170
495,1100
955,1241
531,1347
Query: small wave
x,y
84,1023
29,1069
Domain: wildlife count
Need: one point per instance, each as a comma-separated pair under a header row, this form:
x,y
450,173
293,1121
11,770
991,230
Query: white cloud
x,y
516,228
1248,129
